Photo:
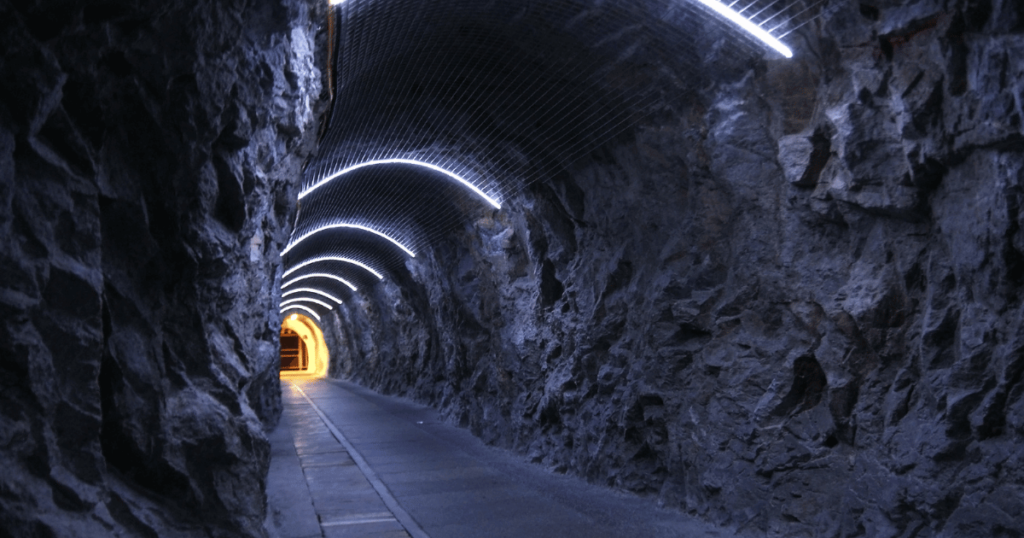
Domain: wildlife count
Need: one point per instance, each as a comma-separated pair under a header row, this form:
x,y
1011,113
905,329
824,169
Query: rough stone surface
x,y
791,303
149,152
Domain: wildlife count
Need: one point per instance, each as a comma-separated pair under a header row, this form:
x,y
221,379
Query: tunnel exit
x,y
303,350
294,356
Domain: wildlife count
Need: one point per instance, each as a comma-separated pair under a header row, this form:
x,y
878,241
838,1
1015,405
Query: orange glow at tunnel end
x,y
316,347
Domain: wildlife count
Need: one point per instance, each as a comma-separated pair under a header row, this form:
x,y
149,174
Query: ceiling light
x,y
318,275
346,225
307,299
750,27
306,308
334,259
311,290
433,167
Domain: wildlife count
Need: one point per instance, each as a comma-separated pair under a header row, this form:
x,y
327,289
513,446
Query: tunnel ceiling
x,y
444,109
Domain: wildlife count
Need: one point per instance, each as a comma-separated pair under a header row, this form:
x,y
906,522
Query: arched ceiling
x,y
443,109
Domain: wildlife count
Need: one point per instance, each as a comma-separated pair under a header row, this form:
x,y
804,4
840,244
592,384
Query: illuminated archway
x,y
333,226
433,167
312,340
343,259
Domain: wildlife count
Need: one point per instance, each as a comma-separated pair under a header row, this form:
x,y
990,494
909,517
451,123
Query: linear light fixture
x,y
433,167
311,290
746,25
319,275
307,299
334,259
347,225
306,308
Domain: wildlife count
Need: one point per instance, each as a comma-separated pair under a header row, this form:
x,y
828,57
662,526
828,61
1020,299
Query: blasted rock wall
x,y
792,305
149,153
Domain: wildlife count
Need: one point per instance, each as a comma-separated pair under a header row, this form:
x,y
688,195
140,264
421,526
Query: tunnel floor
x,y
349,462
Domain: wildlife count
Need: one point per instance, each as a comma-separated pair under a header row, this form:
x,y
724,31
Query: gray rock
x,y
798,312
142,149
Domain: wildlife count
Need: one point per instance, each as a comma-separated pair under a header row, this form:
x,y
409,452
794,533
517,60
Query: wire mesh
x,y
499,94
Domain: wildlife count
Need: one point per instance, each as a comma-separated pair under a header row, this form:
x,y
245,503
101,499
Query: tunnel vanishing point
x,y
777,289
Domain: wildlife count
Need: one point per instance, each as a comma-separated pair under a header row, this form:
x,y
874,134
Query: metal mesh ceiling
x,y
443,109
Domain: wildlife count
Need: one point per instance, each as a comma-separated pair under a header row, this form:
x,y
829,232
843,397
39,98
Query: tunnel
x,y
755,265
303,350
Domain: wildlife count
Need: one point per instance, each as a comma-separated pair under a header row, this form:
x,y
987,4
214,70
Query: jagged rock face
x,y
148,157
792,305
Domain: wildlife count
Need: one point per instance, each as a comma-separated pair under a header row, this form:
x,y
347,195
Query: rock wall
x,y
790,304
149,156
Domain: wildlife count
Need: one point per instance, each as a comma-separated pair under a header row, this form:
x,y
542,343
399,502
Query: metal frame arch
x,y
383,162
301,307
318,275
297,300
734,14
330,258
316,291
352,226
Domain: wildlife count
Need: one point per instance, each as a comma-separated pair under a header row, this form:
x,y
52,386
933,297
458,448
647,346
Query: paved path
x,y
350,462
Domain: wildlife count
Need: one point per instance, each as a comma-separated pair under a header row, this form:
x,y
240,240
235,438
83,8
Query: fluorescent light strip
x,y
345,225
308,299
334,259
745,24
435,168
311,290
306,308
318,275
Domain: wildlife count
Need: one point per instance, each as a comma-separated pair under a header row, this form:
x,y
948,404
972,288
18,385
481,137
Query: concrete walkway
x,y
349,462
